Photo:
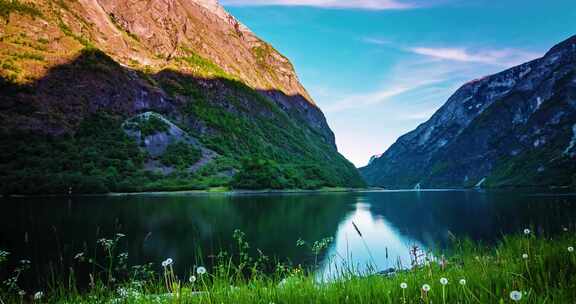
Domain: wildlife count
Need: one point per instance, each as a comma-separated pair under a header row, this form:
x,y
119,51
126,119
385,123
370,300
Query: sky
x,y
379,68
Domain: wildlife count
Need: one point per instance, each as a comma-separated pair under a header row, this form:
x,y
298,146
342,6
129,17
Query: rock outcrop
x,y
514,128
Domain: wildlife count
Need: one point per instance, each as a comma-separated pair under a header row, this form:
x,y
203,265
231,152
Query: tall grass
x,y
523,268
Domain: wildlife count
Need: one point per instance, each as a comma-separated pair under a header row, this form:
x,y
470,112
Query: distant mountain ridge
x,y
221,101
514,128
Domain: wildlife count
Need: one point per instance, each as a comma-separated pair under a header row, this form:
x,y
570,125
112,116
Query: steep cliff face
x,y
67,65
514,128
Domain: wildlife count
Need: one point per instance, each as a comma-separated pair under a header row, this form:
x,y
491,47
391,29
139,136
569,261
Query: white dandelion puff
x,y
570,249
526,231
515,295
525,256
462,282
201,270
192,279
403,285
443,281
426,287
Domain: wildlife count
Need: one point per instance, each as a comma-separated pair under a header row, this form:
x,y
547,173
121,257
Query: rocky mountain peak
x,y
492,129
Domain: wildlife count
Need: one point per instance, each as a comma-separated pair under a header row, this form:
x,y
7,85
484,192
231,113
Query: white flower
x,y
403,285
462,282
565,229
426,287
167,263
192,279
21,293
526,231
443,281
38,295
570,249
525,256
515,295
201,270
122,292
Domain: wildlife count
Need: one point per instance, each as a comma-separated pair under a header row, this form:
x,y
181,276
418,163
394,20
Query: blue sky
x,y
379,68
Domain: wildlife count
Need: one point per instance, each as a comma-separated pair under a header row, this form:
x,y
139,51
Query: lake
x,y
192,228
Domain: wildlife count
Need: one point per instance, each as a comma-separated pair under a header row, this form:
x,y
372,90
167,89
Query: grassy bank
x,y
523,268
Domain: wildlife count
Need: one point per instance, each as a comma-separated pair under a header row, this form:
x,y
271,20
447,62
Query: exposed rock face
x,y
68,63
514,128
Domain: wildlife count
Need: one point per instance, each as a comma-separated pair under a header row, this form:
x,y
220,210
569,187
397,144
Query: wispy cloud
x,y
404,79
500,57
359,4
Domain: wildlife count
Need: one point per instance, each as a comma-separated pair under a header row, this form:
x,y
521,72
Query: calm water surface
x,y
49,231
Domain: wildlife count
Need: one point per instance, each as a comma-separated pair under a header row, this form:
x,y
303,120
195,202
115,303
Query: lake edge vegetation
x,y
522,268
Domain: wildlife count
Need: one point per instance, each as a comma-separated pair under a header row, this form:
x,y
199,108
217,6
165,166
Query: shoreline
x,y
227,191
212,191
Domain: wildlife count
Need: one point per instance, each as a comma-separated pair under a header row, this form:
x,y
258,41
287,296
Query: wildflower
x,y
525,256
516,295
201,270
426,287
122,292
565,229
167,262
526,231
443,281
462,282
570,249
21,293
403,285
38,295
192,279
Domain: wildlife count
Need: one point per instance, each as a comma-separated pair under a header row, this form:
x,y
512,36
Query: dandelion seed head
x,y
192,279
443,281
403,285
462,282
515,295
201,270
525,256
570,249
526,231
426,287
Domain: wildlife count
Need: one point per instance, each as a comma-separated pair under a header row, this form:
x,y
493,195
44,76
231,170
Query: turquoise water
x,y
192,229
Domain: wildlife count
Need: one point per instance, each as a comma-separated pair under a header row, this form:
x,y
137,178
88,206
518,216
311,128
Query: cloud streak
x,y
356,4
499,57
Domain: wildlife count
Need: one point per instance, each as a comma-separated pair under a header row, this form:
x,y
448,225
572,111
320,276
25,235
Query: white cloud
x,y
361,4
405,78
500,57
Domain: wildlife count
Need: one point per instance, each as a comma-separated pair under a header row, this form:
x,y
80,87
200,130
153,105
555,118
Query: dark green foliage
x,y
152,125
93,160
15,6
180,155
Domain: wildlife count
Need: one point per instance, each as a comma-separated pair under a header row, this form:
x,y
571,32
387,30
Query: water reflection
x,y
53,230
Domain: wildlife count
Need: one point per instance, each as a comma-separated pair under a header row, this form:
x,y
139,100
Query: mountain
x,y
103,95
514,128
